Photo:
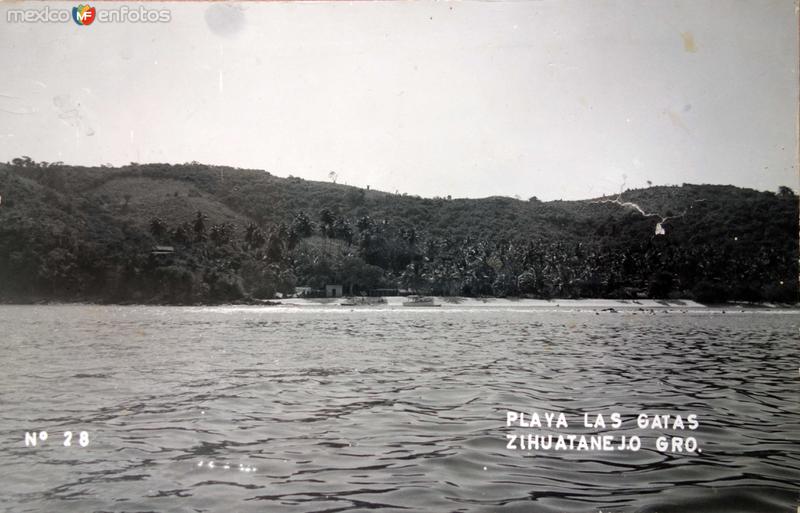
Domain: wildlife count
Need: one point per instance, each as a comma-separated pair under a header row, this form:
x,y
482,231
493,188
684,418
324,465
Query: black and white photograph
x,y
475,256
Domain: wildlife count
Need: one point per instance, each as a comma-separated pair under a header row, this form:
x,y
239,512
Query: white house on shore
x,y
333,291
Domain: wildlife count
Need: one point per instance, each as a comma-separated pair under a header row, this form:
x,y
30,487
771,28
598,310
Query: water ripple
x,y
301,409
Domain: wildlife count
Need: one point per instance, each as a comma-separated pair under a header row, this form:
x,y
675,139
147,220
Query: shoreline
x,y
472,302
449,302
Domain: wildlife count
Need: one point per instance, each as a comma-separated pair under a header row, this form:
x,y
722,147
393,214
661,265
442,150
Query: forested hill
x,y
90,234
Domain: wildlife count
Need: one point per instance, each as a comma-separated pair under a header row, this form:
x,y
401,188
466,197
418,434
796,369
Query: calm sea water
x,y
315,409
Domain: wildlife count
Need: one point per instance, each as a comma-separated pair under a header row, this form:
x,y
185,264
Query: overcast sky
x,y
557,99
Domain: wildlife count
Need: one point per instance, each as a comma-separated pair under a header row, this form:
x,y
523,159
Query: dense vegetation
x,y
88,234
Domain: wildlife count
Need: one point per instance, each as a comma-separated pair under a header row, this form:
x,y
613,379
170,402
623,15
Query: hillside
x,y
76,233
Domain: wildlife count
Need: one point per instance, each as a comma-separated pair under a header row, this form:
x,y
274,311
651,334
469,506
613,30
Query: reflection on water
x,y
336,410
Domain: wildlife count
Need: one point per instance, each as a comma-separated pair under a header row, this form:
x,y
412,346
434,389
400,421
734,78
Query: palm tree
x,y
253,236
302,225
199,226
326,218
158,228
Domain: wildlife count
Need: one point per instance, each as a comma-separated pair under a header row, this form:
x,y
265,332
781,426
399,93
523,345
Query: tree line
x,y
59,242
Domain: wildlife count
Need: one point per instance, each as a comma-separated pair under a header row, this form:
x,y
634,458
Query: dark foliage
x,y
201,234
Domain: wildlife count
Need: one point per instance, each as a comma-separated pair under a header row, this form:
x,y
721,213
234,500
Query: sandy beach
x,y
471,302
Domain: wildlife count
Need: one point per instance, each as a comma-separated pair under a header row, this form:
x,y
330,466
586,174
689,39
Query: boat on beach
x,y
420,301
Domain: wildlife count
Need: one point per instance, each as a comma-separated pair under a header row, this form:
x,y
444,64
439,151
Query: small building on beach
x,y
162,255
333,291
162,250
